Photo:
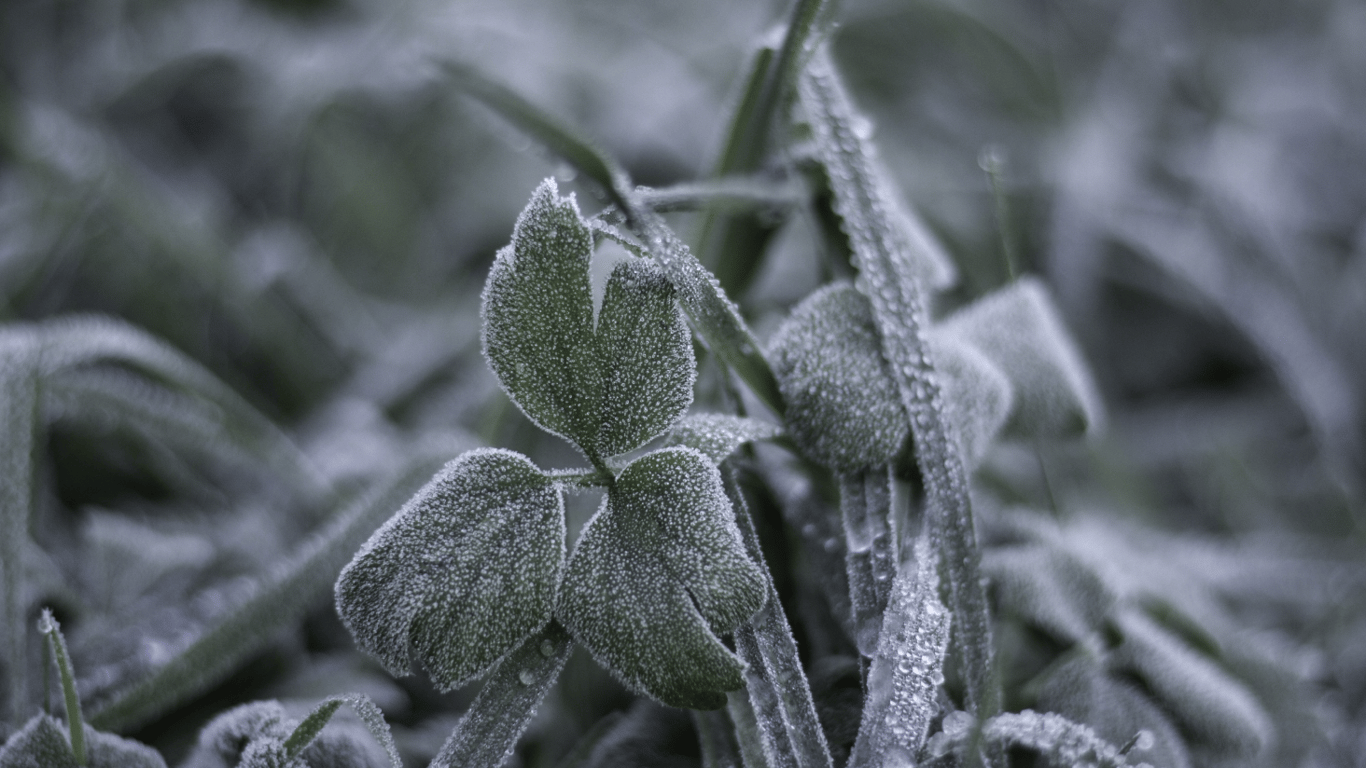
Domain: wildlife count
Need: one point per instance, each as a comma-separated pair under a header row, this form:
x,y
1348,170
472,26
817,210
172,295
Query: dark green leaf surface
x,y
657,574
466,571
843,409
607,390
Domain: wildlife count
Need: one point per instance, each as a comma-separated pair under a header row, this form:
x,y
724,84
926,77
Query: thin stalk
x,y
716,739
891,271
47,624
731,194
741,711
487,735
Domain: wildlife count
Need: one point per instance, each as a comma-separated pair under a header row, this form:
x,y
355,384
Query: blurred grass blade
x,y
297,585
766,644
895,275
488,733
312,725
73,342
733,194
733,245
716,738
18,415
716,319
545,128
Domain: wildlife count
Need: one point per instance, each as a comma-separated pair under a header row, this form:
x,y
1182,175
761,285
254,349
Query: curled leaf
x,y
1019,330
466,571
610,388
657,574
843,409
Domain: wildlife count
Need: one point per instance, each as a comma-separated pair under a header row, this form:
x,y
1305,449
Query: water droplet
x,y
1144,741
526,676
547,648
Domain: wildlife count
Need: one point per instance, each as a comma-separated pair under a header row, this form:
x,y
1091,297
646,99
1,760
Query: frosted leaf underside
x,y
843,408
43,743
657,573
466,570
609,389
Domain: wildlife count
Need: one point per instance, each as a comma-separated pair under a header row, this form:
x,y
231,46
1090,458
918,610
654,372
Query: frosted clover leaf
x,y
608,385
465,572
656,574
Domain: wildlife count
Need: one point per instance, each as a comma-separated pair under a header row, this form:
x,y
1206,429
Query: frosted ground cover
x,y
609,384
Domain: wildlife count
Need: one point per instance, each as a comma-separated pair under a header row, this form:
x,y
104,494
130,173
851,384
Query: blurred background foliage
x,y
294,193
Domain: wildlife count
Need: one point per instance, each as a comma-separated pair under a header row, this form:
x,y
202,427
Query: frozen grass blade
x,y
731,194
894,270
904,678
871,550
365,709
716,319
775,679
299,584
752,746
75,723
18,414
733,245
716,739
79,341
488,733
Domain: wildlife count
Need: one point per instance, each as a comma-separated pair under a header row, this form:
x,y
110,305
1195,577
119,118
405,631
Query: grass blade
x,y
732,245
299,584
18,414
312,725
488,733
766,644
75,723
893,274
904,679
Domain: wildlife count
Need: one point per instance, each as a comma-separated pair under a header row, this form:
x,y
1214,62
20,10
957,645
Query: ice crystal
x,y
466,571
610,388
658,572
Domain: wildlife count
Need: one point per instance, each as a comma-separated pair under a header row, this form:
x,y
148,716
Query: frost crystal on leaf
x,y
657,573
607,389
466,571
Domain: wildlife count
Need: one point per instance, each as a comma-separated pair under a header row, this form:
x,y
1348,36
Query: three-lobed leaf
x,y
657,574
607,386
466,571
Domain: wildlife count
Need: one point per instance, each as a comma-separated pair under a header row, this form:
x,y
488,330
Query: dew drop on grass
x,y
527,676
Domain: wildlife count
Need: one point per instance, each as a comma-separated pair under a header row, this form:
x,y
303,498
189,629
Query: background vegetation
x,y
297,196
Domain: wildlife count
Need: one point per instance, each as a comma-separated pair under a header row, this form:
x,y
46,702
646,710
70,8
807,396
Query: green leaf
x,y
843,409
42,743
465,572
717,435
977,395
657,574
1019,330
1050,588
607,390
646,351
